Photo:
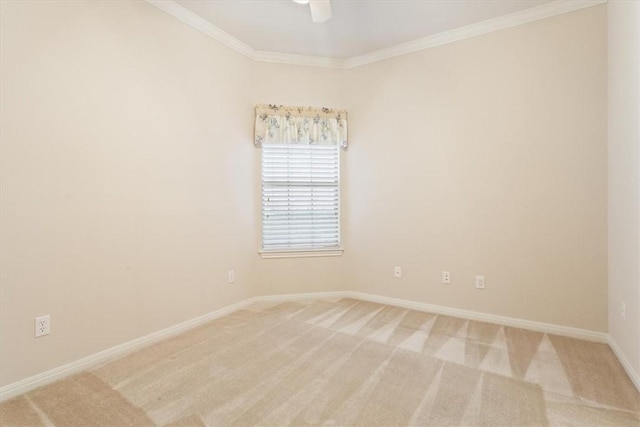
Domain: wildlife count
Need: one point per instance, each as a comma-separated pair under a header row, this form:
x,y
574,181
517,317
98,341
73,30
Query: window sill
x,y
301,253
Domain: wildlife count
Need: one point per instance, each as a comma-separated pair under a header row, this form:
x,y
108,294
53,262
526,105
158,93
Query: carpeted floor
x,y
345,362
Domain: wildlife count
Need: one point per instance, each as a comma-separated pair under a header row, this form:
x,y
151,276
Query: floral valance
x,y
279,124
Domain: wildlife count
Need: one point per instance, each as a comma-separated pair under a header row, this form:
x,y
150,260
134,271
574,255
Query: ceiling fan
x,y
320,9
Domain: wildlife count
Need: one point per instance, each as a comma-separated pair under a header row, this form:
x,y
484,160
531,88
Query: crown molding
x,y
496,24
309,61
195,21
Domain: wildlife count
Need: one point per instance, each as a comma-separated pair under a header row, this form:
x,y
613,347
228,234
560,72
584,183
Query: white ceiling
x,y
357,27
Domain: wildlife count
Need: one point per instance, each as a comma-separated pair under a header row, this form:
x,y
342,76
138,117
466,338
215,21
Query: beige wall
x,y
130,185
624,177
126,160
486,156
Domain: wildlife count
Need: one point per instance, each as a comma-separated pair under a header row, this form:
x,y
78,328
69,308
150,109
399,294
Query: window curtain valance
x,y
278,124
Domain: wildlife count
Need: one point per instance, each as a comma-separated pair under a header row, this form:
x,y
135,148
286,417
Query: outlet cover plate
x,y
42,325
446,277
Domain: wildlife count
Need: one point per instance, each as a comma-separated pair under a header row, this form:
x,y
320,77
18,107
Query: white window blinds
x,y
300,196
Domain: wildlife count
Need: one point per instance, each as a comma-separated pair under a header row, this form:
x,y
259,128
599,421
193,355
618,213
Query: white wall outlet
x,y
43,325
623,310
480,282
231,276
397,272
446,277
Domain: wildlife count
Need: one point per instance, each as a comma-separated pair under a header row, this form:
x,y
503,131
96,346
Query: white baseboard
x,y
302,297
47,377
60,372
635,378
549,328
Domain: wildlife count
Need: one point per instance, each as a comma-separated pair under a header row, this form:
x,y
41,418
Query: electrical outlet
x,y
446,277
397,272
231,276
480,282
43,325
623,310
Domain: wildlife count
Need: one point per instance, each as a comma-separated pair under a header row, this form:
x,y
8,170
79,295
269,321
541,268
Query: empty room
x,y
319,212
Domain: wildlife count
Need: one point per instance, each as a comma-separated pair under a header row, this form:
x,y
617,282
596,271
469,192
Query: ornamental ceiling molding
x,y
496,24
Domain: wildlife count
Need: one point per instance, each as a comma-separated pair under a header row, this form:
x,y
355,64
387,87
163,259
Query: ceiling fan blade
x,y
320,10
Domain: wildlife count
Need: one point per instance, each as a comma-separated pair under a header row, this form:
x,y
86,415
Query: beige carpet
x,y
345,362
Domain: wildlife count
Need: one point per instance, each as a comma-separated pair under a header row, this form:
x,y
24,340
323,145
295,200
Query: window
x,y
300,179
300,197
